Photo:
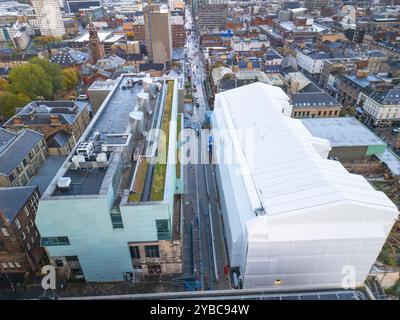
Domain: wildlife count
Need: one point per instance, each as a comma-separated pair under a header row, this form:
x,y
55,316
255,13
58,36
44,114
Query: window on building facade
x,y
26,211
162,229
116,220
12,176
54,241
17,224
5,232
152,252
59,263
23,235
135,253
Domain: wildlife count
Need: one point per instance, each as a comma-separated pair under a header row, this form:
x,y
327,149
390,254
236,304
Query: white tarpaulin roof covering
x,y
288,166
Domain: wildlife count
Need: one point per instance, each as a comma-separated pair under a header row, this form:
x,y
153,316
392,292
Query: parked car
x,y
82,97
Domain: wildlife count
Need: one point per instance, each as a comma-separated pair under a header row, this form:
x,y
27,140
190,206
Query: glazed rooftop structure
x,y
109,213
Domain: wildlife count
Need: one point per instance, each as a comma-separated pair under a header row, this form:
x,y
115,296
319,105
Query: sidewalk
x,y
80,289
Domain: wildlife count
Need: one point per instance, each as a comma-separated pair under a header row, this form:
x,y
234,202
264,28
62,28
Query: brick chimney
x,y
18,121
55,120
362,73
361,64
3,219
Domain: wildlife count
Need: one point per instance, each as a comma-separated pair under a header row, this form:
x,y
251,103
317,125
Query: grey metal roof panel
x,y
311,87
6,136
68,57
313,99
12,199
17,150
59,139
386,97
39,112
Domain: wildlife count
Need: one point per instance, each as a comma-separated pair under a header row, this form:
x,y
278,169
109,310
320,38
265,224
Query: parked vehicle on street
x,y
82,97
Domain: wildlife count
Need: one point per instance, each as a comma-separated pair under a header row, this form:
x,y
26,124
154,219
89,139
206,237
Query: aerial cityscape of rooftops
x,y
200,149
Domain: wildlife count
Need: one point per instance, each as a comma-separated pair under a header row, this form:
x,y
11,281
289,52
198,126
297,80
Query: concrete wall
x,y
103,251
355,152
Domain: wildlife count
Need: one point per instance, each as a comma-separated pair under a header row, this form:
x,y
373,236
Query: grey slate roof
x,y
313,100
387,97
39,112
17,150
5,138
272,54
376,53
311,87
59,139
67,57
320,55
12,199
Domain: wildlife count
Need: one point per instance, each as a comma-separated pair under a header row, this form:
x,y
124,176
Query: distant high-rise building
x,y
175,4
212,16
157,21
316,4
73,6
196,4
49,17
95,46
217,1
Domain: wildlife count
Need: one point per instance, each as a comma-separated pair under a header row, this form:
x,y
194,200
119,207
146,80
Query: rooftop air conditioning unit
x,y
85,149
77,159
101,157
104,148
64,183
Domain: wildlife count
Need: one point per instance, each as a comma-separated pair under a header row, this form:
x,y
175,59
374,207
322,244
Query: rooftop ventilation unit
x,y
137,119
147,84
76,160
104,148
96,136
64,183
101,157
143,100
86,149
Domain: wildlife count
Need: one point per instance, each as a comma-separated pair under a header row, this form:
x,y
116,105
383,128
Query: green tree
x,y
71,78
3,84
44,41
54,72
31,80
10,101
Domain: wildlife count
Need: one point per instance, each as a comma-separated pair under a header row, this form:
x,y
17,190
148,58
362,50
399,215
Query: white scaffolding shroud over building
x,y
292,217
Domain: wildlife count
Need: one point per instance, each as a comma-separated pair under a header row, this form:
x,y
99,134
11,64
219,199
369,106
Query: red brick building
x,y
178,32
20,250
262,21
